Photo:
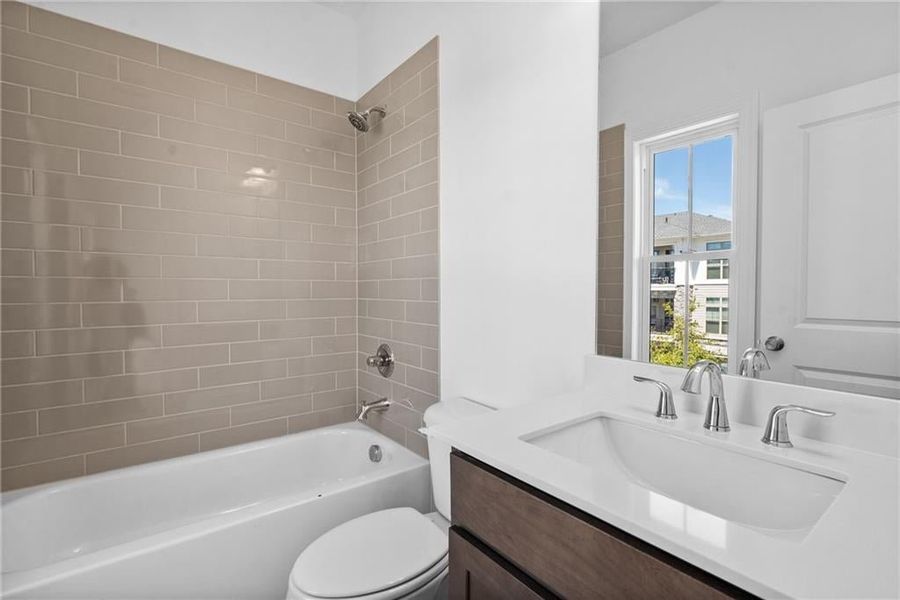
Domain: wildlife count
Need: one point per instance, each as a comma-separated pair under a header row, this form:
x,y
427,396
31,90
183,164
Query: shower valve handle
x,y
383,360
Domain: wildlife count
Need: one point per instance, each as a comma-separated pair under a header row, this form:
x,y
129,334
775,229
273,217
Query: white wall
x,y
785,51
305,43
518,186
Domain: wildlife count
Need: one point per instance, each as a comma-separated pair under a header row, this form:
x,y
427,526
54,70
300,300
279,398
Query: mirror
x,y
749,189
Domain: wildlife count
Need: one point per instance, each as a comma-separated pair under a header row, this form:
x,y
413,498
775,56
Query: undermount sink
x,y
729,484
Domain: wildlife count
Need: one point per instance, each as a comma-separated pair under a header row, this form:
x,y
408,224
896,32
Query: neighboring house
x,y
708,278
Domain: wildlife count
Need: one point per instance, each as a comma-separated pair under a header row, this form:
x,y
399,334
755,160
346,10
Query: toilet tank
x,y
446,411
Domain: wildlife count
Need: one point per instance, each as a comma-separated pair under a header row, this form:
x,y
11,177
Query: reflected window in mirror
x,y
685,232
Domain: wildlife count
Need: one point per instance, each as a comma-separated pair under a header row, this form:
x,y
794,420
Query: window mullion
x,y
687,271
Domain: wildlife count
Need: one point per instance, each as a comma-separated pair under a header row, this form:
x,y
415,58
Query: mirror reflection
x,y
749,190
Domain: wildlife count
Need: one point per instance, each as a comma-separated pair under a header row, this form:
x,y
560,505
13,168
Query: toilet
x,y
392,554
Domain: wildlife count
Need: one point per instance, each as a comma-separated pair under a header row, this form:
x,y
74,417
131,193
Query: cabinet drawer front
x,y
567,551
476,575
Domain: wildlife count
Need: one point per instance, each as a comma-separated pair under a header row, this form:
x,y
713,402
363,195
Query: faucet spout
x,y
716,413
380,405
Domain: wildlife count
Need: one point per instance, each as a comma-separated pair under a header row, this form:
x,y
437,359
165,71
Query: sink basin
x,y
729,484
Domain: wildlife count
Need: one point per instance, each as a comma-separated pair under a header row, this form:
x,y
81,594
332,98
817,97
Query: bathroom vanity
x,y
590,495
510,540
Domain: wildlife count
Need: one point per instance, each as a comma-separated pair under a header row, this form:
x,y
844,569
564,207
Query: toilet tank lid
x,y
454,409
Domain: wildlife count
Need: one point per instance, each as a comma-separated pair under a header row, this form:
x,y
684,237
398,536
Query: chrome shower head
x,y
360,120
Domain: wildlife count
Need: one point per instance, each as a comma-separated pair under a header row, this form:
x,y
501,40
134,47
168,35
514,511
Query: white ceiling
x,y
623,23
351,8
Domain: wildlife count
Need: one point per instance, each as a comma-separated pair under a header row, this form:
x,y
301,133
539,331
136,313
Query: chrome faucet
x,y
716,415
380,405
776,433
753,361
665,409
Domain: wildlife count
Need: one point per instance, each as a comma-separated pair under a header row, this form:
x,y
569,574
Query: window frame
x,y
743,125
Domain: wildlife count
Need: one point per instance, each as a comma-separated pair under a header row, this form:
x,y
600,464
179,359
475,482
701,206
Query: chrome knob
x,y
383,360
774,343
776,432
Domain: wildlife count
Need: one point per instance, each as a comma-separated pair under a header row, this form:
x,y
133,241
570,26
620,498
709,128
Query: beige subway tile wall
x,y
397,180
610,260
179,250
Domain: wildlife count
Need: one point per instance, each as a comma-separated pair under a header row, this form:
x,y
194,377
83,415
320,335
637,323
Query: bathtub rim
x,y
155,465
20,581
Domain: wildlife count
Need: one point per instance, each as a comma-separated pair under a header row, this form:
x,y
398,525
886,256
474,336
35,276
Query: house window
x,y
717,315
725,245
686,226
717,268
663,272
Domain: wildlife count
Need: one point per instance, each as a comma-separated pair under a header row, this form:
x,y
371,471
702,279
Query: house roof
x,y
675,225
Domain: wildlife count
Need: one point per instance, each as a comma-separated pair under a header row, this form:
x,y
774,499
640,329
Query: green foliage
x,y
667,349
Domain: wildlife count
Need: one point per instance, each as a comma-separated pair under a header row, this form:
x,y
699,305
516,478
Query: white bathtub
x,y
222,524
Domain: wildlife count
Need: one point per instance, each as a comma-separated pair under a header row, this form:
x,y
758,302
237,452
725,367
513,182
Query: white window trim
x,y
743,119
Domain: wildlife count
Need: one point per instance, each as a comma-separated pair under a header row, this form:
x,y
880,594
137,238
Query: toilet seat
x,y
382,555
395,593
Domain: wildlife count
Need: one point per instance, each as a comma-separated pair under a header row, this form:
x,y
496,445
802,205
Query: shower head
x,y
360,120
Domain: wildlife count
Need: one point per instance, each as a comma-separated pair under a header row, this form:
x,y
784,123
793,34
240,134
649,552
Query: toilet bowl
x,y
392,554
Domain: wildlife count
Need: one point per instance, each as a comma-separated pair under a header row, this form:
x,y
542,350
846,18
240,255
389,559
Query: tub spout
x,y
380,405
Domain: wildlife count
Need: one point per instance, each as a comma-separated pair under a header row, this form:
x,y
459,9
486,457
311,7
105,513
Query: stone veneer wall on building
x,y
611,241
179,250
397,180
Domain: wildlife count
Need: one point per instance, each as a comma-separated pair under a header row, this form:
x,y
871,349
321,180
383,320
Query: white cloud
x,y
664,191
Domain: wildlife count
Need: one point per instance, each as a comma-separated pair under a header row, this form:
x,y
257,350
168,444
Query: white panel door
x,y
830,239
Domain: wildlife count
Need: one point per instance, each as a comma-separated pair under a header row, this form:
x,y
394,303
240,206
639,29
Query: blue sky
x,y
712,179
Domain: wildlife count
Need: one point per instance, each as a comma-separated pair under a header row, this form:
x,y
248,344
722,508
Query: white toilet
x,y
392,554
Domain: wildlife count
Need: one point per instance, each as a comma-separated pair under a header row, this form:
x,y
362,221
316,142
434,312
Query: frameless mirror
x,y
749,189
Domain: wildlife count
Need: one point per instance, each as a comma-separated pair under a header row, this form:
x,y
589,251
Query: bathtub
x,y
222,524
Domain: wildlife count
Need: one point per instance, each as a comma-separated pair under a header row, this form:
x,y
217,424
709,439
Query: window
x,y
686,226
717,315
663,272
717,268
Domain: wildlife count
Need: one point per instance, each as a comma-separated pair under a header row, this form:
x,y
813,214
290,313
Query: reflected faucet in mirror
x,y
753,361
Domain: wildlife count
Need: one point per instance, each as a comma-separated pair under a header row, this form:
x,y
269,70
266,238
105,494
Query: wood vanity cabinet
x,y
510,540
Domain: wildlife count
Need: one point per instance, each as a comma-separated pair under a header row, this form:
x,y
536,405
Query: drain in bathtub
x,y
375,453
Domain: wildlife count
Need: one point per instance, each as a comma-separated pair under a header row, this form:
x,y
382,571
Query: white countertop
x,y
851,552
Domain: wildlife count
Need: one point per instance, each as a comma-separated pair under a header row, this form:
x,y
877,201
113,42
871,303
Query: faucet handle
x,y
383,360
776,432
666,407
